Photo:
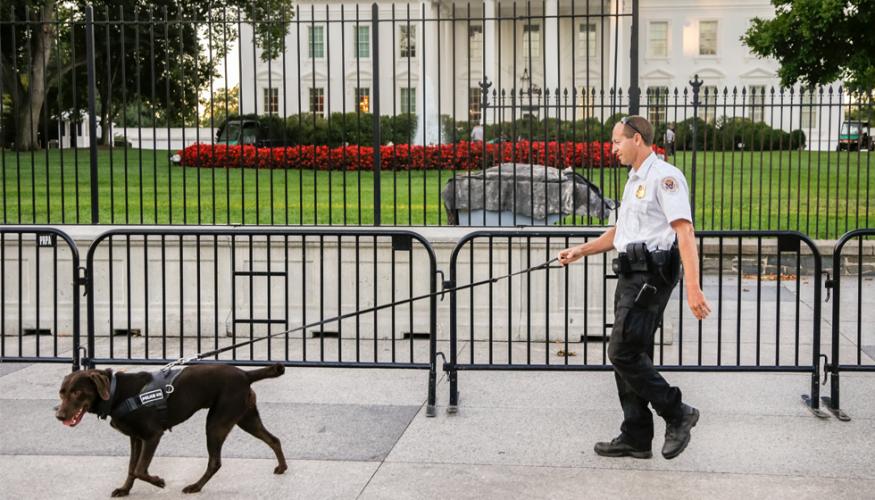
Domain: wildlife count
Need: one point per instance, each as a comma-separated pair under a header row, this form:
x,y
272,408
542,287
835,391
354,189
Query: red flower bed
x,y
459,156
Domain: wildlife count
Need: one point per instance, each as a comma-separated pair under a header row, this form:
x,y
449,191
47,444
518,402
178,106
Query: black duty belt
x,y
637,259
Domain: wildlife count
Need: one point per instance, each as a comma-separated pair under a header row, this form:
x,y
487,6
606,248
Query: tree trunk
x,y
105,132
29,111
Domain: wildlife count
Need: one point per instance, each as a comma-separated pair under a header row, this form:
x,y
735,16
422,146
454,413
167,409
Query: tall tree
x,y
24,61
221,104
158,68
818,42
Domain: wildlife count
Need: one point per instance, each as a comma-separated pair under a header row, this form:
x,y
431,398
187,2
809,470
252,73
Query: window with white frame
x,y
362,41
475,96
756,98
586,40
475,41
708,97
363,99
586,99
316,42
271,100
808,114
532,41
657,39
317,100
408,99
657,104
407,41
707,38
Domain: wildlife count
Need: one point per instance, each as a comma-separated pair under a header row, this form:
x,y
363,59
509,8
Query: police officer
x,y
669,140
653,233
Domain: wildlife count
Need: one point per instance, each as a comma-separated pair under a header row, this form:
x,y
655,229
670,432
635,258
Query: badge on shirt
x,y
669,184
639,193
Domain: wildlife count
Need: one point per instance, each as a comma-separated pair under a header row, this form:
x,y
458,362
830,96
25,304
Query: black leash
x,y
196,357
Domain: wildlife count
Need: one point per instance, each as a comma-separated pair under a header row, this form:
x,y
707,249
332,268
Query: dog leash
x,y
199,356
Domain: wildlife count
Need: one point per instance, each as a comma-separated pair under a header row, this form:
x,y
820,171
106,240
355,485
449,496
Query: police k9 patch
x,y
151,396
670,184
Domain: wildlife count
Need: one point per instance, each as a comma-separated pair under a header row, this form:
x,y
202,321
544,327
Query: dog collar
x,y
105,407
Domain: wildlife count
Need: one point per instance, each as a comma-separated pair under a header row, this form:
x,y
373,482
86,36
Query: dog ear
x,y
101,380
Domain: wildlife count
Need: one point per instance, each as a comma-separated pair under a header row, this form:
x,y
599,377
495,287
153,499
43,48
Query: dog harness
x,y
153,395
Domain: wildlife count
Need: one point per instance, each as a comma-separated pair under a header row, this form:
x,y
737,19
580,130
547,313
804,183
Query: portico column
x,y
427,89
490,45
551,51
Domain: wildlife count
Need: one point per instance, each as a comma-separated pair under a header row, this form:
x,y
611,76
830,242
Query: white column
x,y
426,90
446,62
622,52
551,47
490,44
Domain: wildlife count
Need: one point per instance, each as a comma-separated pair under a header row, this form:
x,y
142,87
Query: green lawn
x,y
821,194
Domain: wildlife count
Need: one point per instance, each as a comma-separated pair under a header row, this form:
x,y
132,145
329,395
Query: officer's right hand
x,y
569,255
699,305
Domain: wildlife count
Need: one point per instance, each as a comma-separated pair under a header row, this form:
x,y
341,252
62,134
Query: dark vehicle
x,y
854,136
245,132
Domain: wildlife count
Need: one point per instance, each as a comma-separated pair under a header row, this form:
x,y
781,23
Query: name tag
x,y
151,396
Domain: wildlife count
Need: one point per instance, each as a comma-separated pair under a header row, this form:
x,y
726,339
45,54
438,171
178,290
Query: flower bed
x,y
459,156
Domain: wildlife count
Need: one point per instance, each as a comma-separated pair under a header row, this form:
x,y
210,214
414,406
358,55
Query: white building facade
x,y
433,56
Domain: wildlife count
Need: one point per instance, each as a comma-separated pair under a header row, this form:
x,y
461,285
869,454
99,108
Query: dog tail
x,y
271,371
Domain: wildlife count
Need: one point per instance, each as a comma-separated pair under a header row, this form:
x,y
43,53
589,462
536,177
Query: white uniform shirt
x,y
655,196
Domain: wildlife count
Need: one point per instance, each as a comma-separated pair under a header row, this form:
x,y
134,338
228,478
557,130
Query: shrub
x,y
459,156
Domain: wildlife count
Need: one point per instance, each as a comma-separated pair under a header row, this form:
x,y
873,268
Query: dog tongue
x,y
72,421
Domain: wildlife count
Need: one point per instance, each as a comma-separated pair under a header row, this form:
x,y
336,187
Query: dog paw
x,y
120,492
192,488
157,481
280,469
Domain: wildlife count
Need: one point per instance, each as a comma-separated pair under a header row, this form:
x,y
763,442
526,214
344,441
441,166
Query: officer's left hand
x,y
698,303
568,256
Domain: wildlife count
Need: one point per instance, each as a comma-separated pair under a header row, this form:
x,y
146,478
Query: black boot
x,y
619,448
677,433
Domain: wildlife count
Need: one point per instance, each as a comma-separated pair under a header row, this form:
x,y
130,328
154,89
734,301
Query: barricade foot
x,y
808,402
836,412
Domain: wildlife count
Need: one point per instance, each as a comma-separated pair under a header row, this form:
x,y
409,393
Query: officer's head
x,y
631,139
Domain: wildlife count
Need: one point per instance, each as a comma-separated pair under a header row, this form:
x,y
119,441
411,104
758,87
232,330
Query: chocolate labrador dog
x,y
143,412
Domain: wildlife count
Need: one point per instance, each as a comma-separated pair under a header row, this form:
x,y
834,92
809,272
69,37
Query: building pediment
x,y
658,74
360,74
308,75
707,74
758,73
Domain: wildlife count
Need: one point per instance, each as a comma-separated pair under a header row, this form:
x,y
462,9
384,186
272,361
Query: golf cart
x,y
855,135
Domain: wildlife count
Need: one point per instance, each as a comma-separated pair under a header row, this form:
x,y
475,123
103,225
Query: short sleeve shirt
x,y
655,196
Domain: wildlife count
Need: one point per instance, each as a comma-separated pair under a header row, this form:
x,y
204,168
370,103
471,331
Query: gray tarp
x,y
566,192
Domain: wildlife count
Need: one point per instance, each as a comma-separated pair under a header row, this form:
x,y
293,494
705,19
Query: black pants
x,y
631,352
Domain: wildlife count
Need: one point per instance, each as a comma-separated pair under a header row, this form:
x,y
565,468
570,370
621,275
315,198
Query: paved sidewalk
x,y
364,434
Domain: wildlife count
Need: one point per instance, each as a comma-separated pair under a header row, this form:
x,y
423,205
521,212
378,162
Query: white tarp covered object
x,y
535,191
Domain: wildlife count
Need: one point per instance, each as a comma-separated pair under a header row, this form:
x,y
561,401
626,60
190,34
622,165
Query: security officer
x,y
654,231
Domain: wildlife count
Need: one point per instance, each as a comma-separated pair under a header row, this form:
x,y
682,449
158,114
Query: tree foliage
x,y
818,42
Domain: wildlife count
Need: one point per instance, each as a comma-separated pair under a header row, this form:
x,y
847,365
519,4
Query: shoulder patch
x,y
669,184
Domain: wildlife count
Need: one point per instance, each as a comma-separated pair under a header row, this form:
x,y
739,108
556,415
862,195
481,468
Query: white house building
x,y
434,54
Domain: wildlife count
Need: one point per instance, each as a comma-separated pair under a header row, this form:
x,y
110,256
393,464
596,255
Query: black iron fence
x,y
344,298
765,289
39,296
359,298
853,344
340,114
